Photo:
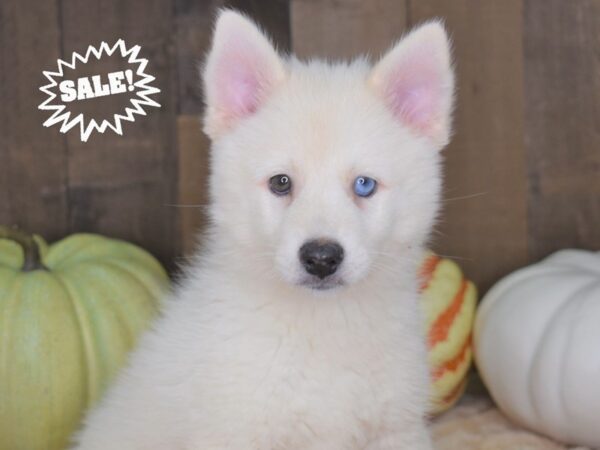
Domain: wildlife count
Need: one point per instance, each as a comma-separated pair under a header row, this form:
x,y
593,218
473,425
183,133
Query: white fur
x,y
247,357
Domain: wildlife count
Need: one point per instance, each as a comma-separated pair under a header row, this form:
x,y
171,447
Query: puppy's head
x,y
325,173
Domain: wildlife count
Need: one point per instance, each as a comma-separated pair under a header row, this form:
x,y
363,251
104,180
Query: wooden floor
x,y
523,170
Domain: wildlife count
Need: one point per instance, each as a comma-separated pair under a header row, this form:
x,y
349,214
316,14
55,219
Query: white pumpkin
x,y
537,346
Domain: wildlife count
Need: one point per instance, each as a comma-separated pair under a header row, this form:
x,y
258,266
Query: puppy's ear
x,y
241,71
416,81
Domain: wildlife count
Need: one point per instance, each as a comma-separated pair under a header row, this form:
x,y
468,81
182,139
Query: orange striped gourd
x,y
448,300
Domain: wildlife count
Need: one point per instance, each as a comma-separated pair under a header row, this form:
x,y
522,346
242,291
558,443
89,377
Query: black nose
x,y
321,258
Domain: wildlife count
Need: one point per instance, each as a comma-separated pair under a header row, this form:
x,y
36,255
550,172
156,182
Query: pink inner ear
x,y
414,94
240,78
239,91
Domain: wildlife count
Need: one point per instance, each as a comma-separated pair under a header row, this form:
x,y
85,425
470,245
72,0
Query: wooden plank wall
x,y
485,221
33,163
562,124
522,172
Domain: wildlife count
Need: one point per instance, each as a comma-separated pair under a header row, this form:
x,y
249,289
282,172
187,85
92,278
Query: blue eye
x,y
364,186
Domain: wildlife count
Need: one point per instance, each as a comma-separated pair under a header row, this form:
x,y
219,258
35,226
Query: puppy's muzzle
x,y
321,258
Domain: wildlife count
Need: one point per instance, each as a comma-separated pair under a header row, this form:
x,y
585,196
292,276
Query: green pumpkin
x,y
69,314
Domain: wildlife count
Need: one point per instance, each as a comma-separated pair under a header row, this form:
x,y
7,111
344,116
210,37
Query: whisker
x,y
458,258
465,197
438,232
176,205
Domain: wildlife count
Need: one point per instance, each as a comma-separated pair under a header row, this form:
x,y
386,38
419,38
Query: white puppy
x,y
297,326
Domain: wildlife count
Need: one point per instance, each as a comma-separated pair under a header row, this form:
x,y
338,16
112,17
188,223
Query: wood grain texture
x,y
523,170
193,148
562,116
273,16
346,29
485,219
194,22
122,185
194,25
33,159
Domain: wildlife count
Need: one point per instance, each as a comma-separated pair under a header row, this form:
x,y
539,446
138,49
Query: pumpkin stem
x,y
31,249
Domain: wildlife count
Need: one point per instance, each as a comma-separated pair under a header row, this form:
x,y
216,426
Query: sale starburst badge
x,y
99,89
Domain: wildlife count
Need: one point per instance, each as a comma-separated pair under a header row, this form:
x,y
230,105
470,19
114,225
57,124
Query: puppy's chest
x,y
312,352
303,368
314,385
